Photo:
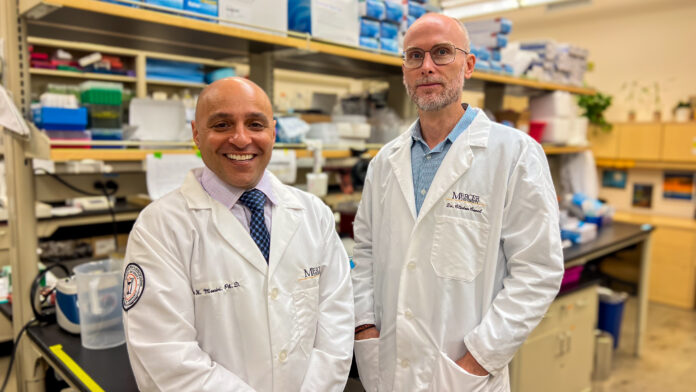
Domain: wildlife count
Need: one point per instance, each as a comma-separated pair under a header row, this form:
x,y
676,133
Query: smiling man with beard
x,y
458,251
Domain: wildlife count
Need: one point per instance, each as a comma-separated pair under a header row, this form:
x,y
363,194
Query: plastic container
x,y
536,130
63,119
572,275
318,184
107,135
104,116
611,306
101,93
99,292
67,310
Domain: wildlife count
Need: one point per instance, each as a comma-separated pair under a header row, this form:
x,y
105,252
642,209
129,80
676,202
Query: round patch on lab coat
x,y
133,285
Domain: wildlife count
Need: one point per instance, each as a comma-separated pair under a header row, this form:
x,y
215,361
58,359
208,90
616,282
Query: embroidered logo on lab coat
x,y
133,285
311,273
465,201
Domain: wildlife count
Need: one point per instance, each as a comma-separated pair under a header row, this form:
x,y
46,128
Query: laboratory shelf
x,y
147,29
639,164
82,75
175,83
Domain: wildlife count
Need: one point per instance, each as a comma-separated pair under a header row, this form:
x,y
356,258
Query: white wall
x,y
641,41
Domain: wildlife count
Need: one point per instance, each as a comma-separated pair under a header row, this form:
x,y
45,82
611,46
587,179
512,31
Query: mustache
x,y
428,80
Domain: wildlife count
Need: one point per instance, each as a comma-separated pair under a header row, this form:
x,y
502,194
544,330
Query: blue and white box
x,y
367,42
374,9
416,9
176,4
205,7
389,30
394,11
389,45
369,28
331,20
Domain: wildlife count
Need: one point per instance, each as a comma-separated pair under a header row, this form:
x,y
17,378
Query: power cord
x,y
107,189
14,353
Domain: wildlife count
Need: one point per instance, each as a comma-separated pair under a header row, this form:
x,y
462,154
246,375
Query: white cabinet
x,y
558,355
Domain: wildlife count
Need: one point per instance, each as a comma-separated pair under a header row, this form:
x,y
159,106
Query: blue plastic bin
x,y
611,307
63,119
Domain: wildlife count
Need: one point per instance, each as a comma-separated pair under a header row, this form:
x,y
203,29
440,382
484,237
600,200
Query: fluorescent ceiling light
x,y
476,9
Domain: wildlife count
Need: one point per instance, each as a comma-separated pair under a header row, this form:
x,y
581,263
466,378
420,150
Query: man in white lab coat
x,y
458,252
236,282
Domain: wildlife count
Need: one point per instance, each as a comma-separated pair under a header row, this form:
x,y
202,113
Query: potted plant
x,y
594,107
682,112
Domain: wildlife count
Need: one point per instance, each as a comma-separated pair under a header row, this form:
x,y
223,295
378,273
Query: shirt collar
x,y
463,123
227,194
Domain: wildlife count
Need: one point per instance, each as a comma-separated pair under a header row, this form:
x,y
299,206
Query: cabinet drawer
x,y
639,141
679,142
673,285
604,145
580,305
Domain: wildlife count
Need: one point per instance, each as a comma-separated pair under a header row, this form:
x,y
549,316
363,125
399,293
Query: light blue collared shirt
x,y
425,162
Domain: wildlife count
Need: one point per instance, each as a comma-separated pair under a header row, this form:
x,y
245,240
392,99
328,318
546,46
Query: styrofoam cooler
x,y
557,130
552,105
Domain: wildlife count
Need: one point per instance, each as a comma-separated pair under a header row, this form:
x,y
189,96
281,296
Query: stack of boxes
x,y
330,20
383,23
61,121
103,102
559,112
487,38
203,7
549,61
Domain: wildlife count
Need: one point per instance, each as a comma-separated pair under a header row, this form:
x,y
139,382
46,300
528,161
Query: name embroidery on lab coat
x,y
219,289
311,273
465,201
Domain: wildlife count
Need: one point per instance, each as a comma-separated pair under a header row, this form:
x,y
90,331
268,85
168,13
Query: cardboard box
x,y
331,20
266,16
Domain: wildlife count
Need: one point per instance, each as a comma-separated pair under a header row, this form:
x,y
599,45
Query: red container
x,y
536,130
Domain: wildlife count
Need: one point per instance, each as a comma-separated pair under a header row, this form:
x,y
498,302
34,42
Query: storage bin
x,y
82,136
104,116
102,93
101,134
611,306
62,119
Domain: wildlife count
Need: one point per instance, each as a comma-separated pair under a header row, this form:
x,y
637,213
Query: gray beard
x,y
451,94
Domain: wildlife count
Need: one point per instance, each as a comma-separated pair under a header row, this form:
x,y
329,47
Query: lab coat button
x,y
408,314
282,356
411,266
274,293
405,363
428,157
422,191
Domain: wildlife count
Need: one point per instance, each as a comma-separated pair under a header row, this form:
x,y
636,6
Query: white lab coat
x,y
475,271
287,327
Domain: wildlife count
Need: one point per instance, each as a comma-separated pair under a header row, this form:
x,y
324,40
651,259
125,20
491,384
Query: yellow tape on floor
x,y
75,368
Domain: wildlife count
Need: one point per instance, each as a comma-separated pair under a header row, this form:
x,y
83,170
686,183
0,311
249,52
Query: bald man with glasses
x,y
458,252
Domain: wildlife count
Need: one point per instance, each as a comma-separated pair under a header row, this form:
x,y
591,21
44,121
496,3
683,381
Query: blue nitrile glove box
x,y
177,4
369,28
374,9
394,11
63,119
367,42
389,45
416,10
388,30
205,7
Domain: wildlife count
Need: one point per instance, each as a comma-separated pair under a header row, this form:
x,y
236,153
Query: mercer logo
x,y
459,196
312,272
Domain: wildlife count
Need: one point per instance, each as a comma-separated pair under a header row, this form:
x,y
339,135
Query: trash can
x,y
611,306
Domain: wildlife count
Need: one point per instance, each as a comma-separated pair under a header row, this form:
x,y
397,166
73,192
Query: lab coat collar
x,y
457,161
286,219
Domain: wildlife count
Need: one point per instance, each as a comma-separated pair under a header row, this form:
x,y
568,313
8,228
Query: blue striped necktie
x,y
254,200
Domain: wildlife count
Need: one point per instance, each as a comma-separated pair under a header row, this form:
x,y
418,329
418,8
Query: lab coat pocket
x,y
448,376
306,315
367,359
459,247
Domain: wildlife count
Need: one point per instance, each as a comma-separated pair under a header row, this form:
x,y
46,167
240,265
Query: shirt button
x,y
408,314
282,356
423,192
405,363
428,157
274,293
411,266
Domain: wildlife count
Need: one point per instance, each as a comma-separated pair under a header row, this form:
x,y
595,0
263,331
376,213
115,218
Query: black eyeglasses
x,y
441,54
